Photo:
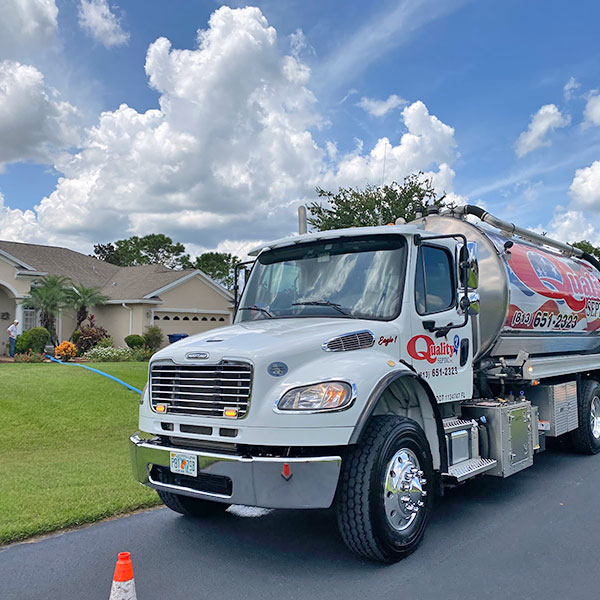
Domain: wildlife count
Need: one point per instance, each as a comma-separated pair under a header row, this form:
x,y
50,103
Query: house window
x,y
29,318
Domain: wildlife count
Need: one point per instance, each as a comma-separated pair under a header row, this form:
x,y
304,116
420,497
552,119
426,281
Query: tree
x,y
81,298
218,266
152,249
49,295
374,205
587,247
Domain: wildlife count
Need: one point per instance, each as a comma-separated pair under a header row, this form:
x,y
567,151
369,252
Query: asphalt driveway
x,y
533,535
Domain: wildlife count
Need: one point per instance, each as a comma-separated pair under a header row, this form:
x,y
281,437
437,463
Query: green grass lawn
x,y
64,457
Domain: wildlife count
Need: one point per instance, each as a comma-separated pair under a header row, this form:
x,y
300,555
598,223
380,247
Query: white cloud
x,y
570,226
34,121
227,156
427,143
380,108
26,26
585,188
570,88
101,24
545,120
591,113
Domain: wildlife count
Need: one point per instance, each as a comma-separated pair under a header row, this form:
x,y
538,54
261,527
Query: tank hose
x,y
60,362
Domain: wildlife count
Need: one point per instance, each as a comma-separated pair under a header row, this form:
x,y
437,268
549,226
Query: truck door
x,y
440,347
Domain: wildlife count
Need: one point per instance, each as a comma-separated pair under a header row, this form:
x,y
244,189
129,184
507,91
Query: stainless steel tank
x,y
531,297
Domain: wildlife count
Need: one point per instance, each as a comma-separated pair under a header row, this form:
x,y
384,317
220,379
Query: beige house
x,y
185,301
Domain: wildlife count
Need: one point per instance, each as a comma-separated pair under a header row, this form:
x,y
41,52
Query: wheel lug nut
x,y
419,473
420,503
405,499
423,494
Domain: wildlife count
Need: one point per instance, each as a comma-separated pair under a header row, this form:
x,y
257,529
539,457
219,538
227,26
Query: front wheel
x,y
194,507
384,496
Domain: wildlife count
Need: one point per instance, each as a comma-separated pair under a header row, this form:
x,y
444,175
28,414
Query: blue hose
x,y
60,362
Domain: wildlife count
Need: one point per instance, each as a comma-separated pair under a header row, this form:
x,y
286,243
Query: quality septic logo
x,y
422,347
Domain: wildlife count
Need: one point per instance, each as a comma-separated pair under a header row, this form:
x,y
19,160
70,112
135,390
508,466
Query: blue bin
x,y
175,337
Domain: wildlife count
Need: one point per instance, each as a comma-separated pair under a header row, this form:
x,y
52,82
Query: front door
x,y
442,358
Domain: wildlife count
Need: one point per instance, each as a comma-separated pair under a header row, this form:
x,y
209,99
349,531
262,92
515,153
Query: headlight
x,y
330,395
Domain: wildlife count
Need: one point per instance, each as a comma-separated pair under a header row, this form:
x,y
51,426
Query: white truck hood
x,y
260,338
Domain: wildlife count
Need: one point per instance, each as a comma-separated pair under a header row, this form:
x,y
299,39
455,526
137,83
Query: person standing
x,y
12,337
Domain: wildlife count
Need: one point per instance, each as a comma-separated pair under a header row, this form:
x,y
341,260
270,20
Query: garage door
x,y
178,322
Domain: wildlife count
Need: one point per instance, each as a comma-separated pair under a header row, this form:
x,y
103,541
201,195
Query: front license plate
x,y
186,464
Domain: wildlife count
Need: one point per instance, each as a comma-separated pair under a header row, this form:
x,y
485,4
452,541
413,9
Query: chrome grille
x,y
201,390
350,341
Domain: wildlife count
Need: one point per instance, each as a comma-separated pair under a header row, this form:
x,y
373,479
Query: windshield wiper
x,y
333,305
258,308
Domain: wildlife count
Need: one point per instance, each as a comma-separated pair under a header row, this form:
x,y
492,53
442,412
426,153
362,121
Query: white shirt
x,y
12,331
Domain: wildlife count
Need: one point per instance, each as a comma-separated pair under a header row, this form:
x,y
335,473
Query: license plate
x,y
186,464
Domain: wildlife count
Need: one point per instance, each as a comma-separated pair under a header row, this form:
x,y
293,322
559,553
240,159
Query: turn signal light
x,y
161,408
232,413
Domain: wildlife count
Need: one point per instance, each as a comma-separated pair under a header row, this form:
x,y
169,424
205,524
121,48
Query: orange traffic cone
x,y
123,585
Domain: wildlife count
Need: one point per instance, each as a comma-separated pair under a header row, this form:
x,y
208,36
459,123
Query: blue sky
x,y
284,98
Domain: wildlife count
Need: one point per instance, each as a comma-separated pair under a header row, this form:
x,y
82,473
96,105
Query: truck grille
x,y
202,390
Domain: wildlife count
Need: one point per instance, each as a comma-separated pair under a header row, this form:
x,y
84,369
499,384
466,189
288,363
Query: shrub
x,y
65,351
38,338
106,342
91,334
23,343
142,354
76,335
134,341
30,357
153,337
99,354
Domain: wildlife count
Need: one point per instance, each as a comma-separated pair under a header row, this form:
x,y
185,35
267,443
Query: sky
x,y
211,123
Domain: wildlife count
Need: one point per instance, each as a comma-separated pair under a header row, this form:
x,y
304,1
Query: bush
x,y
23,343
65,351
91,334
30,357
76,335
38,338
134,341
142,354
106,342
153,338
99,354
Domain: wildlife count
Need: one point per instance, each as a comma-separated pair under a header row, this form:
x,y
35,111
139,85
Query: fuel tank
x,y
532,298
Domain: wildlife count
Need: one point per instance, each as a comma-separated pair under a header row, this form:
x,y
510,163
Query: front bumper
x,y
252,481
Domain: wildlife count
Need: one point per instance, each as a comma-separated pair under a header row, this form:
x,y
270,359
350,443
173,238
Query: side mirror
x,y
240,272
468,266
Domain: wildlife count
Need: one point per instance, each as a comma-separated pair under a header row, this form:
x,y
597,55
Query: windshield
x,y
356,277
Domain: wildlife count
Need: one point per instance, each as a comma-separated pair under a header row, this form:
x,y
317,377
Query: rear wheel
x,y
586,438
384,497
195,507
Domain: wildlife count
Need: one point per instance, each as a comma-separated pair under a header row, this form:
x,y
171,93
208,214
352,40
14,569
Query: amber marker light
x,y
161,408
230,412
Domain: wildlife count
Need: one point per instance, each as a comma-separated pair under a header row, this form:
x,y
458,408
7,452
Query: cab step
x,y
469,468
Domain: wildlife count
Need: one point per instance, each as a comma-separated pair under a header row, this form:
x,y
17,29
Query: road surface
x,y
534,535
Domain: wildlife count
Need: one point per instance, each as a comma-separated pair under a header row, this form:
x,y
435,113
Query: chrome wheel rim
x,y
595,417
403,489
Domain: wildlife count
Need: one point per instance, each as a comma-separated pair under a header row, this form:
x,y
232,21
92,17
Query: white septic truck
x,y
369,368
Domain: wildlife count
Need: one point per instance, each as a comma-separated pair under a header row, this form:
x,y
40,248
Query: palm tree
x,y
49,296
81,298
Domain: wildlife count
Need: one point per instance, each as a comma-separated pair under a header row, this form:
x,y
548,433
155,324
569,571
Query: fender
x,y
376,394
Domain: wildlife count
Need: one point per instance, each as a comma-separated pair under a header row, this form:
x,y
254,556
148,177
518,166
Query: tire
x,y
586,438
193,507
369,492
